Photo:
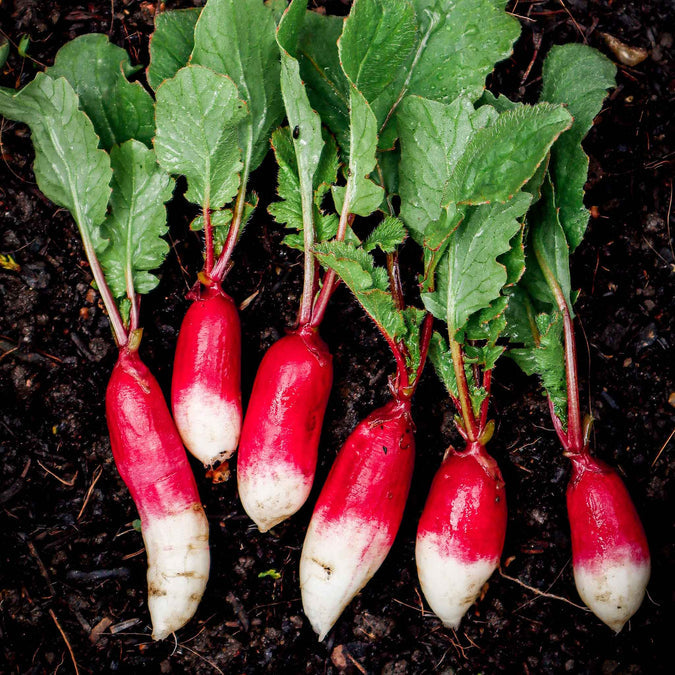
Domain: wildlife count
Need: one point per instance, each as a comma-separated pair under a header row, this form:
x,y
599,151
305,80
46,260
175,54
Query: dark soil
x,y
72,568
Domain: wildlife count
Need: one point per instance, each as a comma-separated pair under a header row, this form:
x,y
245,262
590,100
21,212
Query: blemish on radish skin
x,y
384,448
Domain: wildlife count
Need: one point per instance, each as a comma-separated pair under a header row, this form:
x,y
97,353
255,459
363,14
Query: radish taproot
x,y
610,555
122,247
466,210
280,437
360,507
357,514
214,119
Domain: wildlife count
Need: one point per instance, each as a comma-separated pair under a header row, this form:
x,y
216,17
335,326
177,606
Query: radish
x,y
461,532
358,513
278,451
206,376
610,555
122,246
151,459
214,119
609,548
359,510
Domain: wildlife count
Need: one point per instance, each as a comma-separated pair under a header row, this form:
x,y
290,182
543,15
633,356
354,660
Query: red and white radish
x,y
460,536
152,462
610,555
358,513
280,438
206,390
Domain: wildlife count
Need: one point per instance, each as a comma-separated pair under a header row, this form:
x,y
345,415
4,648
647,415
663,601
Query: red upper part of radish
x,y
609,547
358,513
206,386
152,462
280,437
461,532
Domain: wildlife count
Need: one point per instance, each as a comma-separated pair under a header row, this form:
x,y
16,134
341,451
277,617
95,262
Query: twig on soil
x,y
65,639
69,483
663,447
542,593
203,658
41,566
422,611
97,474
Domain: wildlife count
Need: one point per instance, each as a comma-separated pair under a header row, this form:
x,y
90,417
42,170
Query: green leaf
x,y
500,103
320,68
269,573
24,43
433,138
363,196
578,76
547,249
377,38
306,136
465,40
136,222
119,109
69,167
549,361
198,114
171,44
369,284
441,358
237,38
514,259
388,235
4,52
469,277
499,159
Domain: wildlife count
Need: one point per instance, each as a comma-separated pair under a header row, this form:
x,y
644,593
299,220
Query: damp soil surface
x,y
72,566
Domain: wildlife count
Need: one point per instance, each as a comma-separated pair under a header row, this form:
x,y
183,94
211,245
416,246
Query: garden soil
x,y
72,565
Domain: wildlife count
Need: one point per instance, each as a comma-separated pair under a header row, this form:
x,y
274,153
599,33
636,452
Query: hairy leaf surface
x,y
137,219
578,76
98,71
198,113
171,44
237,38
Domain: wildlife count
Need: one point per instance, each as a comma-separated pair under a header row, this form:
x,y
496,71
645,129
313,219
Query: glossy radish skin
x,y
280,437
206,386
610,555
152,462
358,513
461,532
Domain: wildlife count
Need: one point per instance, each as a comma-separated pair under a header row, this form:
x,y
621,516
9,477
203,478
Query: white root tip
x,y
613,592
177,547
337,561
449,584
209,426
271,497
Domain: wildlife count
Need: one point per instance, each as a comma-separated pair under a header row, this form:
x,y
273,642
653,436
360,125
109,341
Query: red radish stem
x,y
461,532
610,555
151,460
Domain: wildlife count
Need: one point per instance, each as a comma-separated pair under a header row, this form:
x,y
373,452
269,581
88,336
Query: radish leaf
x,y
237,38
578,76
171,44
119,109
69,167
137,219
500,158
377,38
197,116
469,277
387,236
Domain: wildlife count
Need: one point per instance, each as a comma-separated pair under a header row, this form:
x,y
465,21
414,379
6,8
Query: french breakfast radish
x,y
610,556
151,460
118,201
205,389
280,438
461,533
358,513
